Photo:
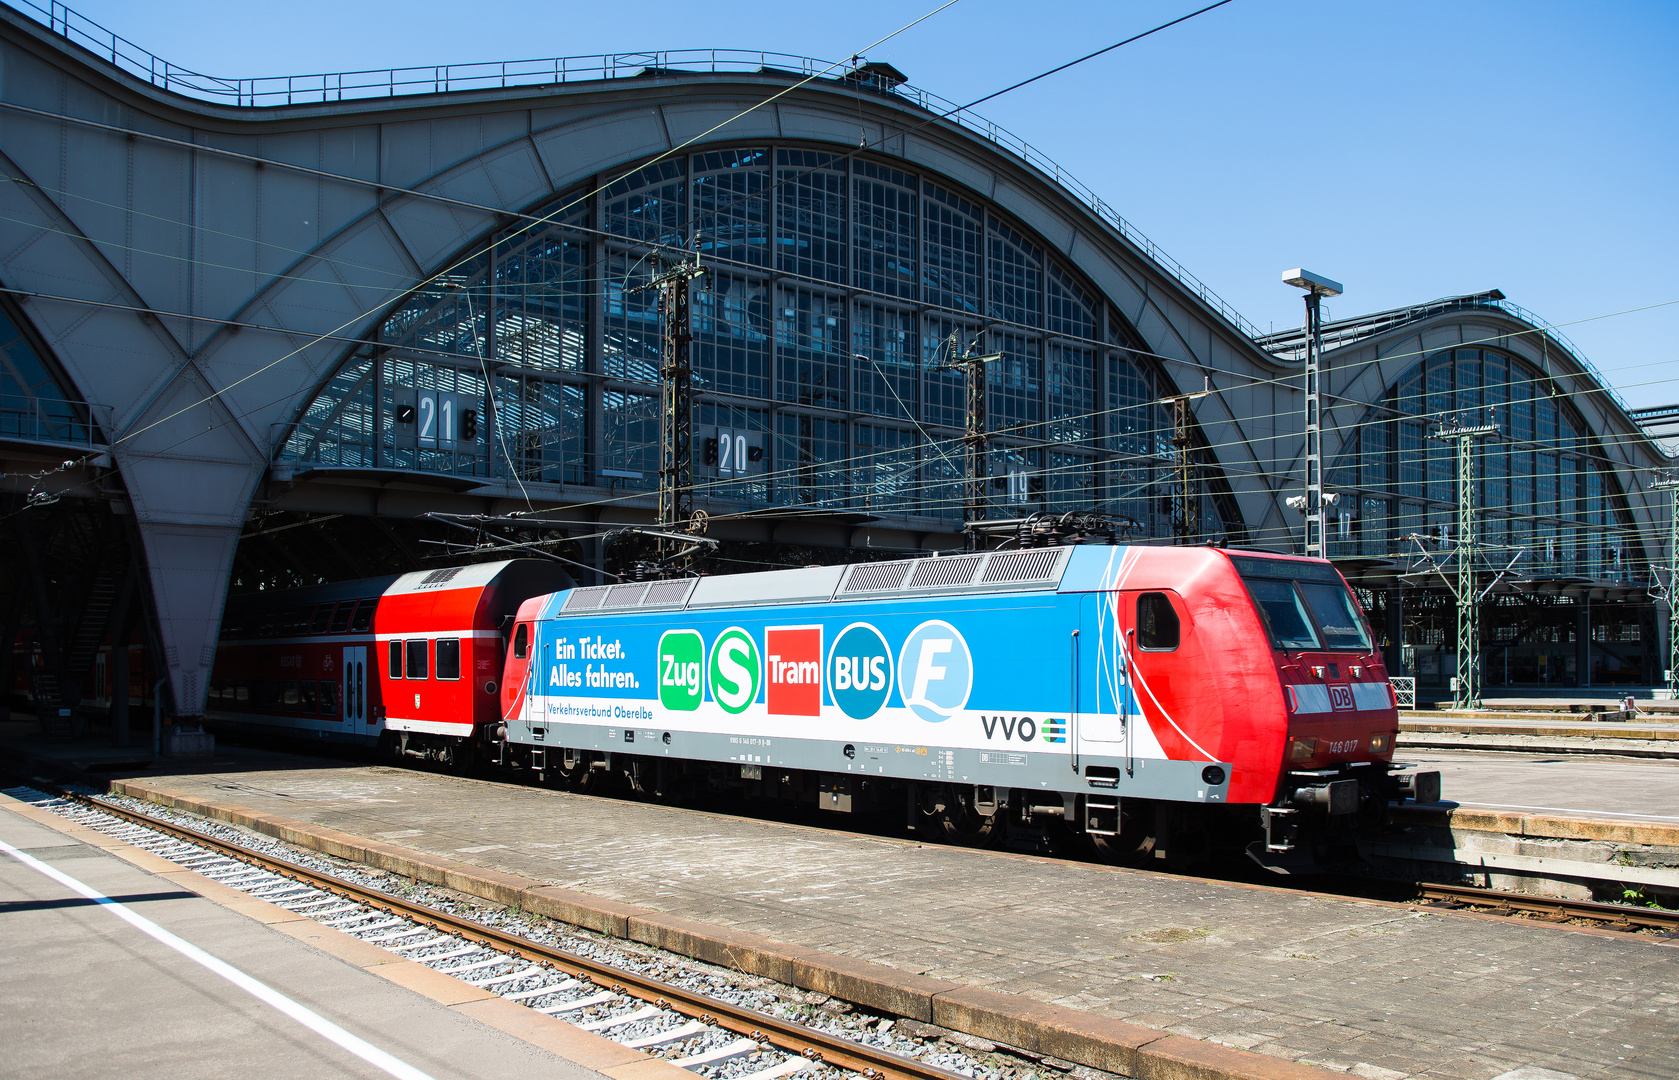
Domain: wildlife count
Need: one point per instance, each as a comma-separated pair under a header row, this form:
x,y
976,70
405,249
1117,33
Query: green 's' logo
x,y
681,655
735,670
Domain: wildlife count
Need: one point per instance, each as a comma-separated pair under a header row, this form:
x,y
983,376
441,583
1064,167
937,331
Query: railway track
x,y
714,1038
1549,909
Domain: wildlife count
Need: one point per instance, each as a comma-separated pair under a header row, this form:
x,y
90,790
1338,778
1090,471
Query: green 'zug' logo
x,y
681,655
735,670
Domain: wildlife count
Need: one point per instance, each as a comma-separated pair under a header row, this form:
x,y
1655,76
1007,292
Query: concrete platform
x,y
87,994
1380,990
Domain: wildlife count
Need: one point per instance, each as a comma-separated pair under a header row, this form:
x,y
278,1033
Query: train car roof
x,y
1033,569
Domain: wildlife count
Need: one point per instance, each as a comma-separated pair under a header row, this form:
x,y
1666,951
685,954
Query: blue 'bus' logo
x,y
860,671
935,671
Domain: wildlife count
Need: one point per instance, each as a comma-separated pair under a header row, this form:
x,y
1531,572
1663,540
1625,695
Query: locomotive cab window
x,y
1157,623
521,641
1343,627
396,659
1284,613
448,658
417,658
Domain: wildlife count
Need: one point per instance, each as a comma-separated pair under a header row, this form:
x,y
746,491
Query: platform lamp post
x,y
1317,287
1668,480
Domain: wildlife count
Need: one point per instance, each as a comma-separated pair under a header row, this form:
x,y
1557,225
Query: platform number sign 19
x,y
681,656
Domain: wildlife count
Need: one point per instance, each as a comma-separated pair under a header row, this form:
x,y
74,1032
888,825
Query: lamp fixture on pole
x,y
1317,287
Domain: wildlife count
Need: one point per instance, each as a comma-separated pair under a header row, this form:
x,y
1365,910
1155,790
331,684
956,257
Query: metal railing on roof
x,y
330,87
1292,343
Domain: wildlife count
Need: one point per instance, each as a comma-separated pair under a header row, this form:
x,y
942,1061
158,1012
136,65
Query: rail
x,y
871,1062
327,87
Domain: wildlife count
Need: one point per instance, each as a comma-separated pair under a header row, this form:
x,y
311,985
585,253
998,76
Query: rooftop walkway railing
x,y
330,87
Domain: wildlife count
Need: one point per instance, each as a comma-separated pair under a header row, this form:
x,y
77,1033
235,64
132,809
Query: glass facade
x,y
835,294
1541,486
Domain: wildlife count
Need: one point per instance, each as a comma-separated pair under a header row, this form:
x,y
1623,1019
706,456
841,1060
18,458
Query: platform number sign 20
x,y
733,452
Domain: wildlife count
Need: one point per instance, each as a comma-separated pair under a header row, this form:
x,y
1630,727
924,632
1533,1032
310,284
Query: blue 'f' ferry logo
x,y
935,671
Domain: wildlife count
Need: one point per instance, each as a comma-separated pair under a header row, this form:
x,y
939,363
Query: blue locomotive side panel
x,y
977,688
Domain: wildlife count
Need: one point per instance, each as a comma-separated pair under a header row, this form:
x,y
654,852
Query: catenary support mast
x,y
1466,688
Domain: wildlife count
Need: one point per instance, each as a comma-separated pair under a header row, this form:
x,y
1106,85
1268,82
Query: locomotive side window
x,y
396,659
1343,627
417,658
1157,623
321,619
1284,613
363,618
448,658
521,641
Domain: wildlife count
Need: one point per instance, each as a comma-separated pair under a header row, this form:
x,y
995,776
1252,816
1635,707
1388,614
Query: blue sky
x,y
1410,150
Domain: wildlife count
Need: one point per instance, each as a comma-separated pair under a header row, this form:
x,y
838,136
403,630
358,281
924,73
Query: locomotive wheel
x,y
960,823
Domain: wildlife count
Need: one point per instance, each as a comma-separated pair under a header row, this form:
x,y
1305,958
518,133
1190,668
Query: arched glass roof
x,y
1543,487
836,286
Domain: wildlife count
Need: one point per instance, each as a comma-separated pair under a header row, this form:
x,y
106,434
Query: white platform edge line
x,y
257,989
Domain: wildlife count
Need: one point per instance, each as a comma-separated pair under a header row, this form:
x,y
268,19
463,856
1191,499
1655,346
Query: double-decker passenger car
x,y
413,661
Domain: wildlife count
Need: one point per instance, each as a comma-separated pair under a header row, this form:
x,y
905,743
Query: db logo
x,y
1341,698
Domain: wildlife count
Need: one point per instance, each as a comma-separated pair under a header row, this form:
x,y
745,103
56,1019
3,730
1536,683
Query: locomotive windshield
x,y
1305,605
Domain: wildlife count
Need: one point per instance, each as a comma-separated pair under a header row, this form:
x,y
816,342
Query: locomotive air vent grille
x,y
583,599
932,573
438,577
623,596
666,593
1037,564
877,577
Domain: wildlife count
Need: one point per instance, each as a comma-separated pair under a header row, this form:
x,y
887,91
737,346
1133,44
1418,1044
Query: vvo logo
x,y
935,671
860,671
795,670
1341,698
1023,727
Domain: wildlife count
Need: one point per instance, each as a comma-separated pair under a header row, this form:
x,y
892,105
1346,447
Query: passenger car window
x,y
417,658
448,658
521,641
321,619
1342,626
396,659
364,617
1284,614
1157,623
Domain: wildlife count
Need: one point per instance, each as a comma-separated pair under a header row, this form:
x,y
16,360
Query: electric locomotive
x,y
1162,701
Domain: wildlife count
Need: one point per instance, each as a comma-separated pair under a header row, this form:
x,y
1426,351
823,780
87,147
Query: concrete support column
x,y
1394,616
1583,643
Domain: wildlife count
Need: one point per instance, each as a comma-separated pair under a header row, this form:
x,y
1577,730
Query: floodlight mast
x,y
1668,480
1317,287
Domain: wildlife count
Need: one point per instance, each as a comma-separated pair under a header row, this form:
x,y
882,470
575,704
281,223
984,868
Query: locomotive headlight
x,y
1302,749
1381,742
